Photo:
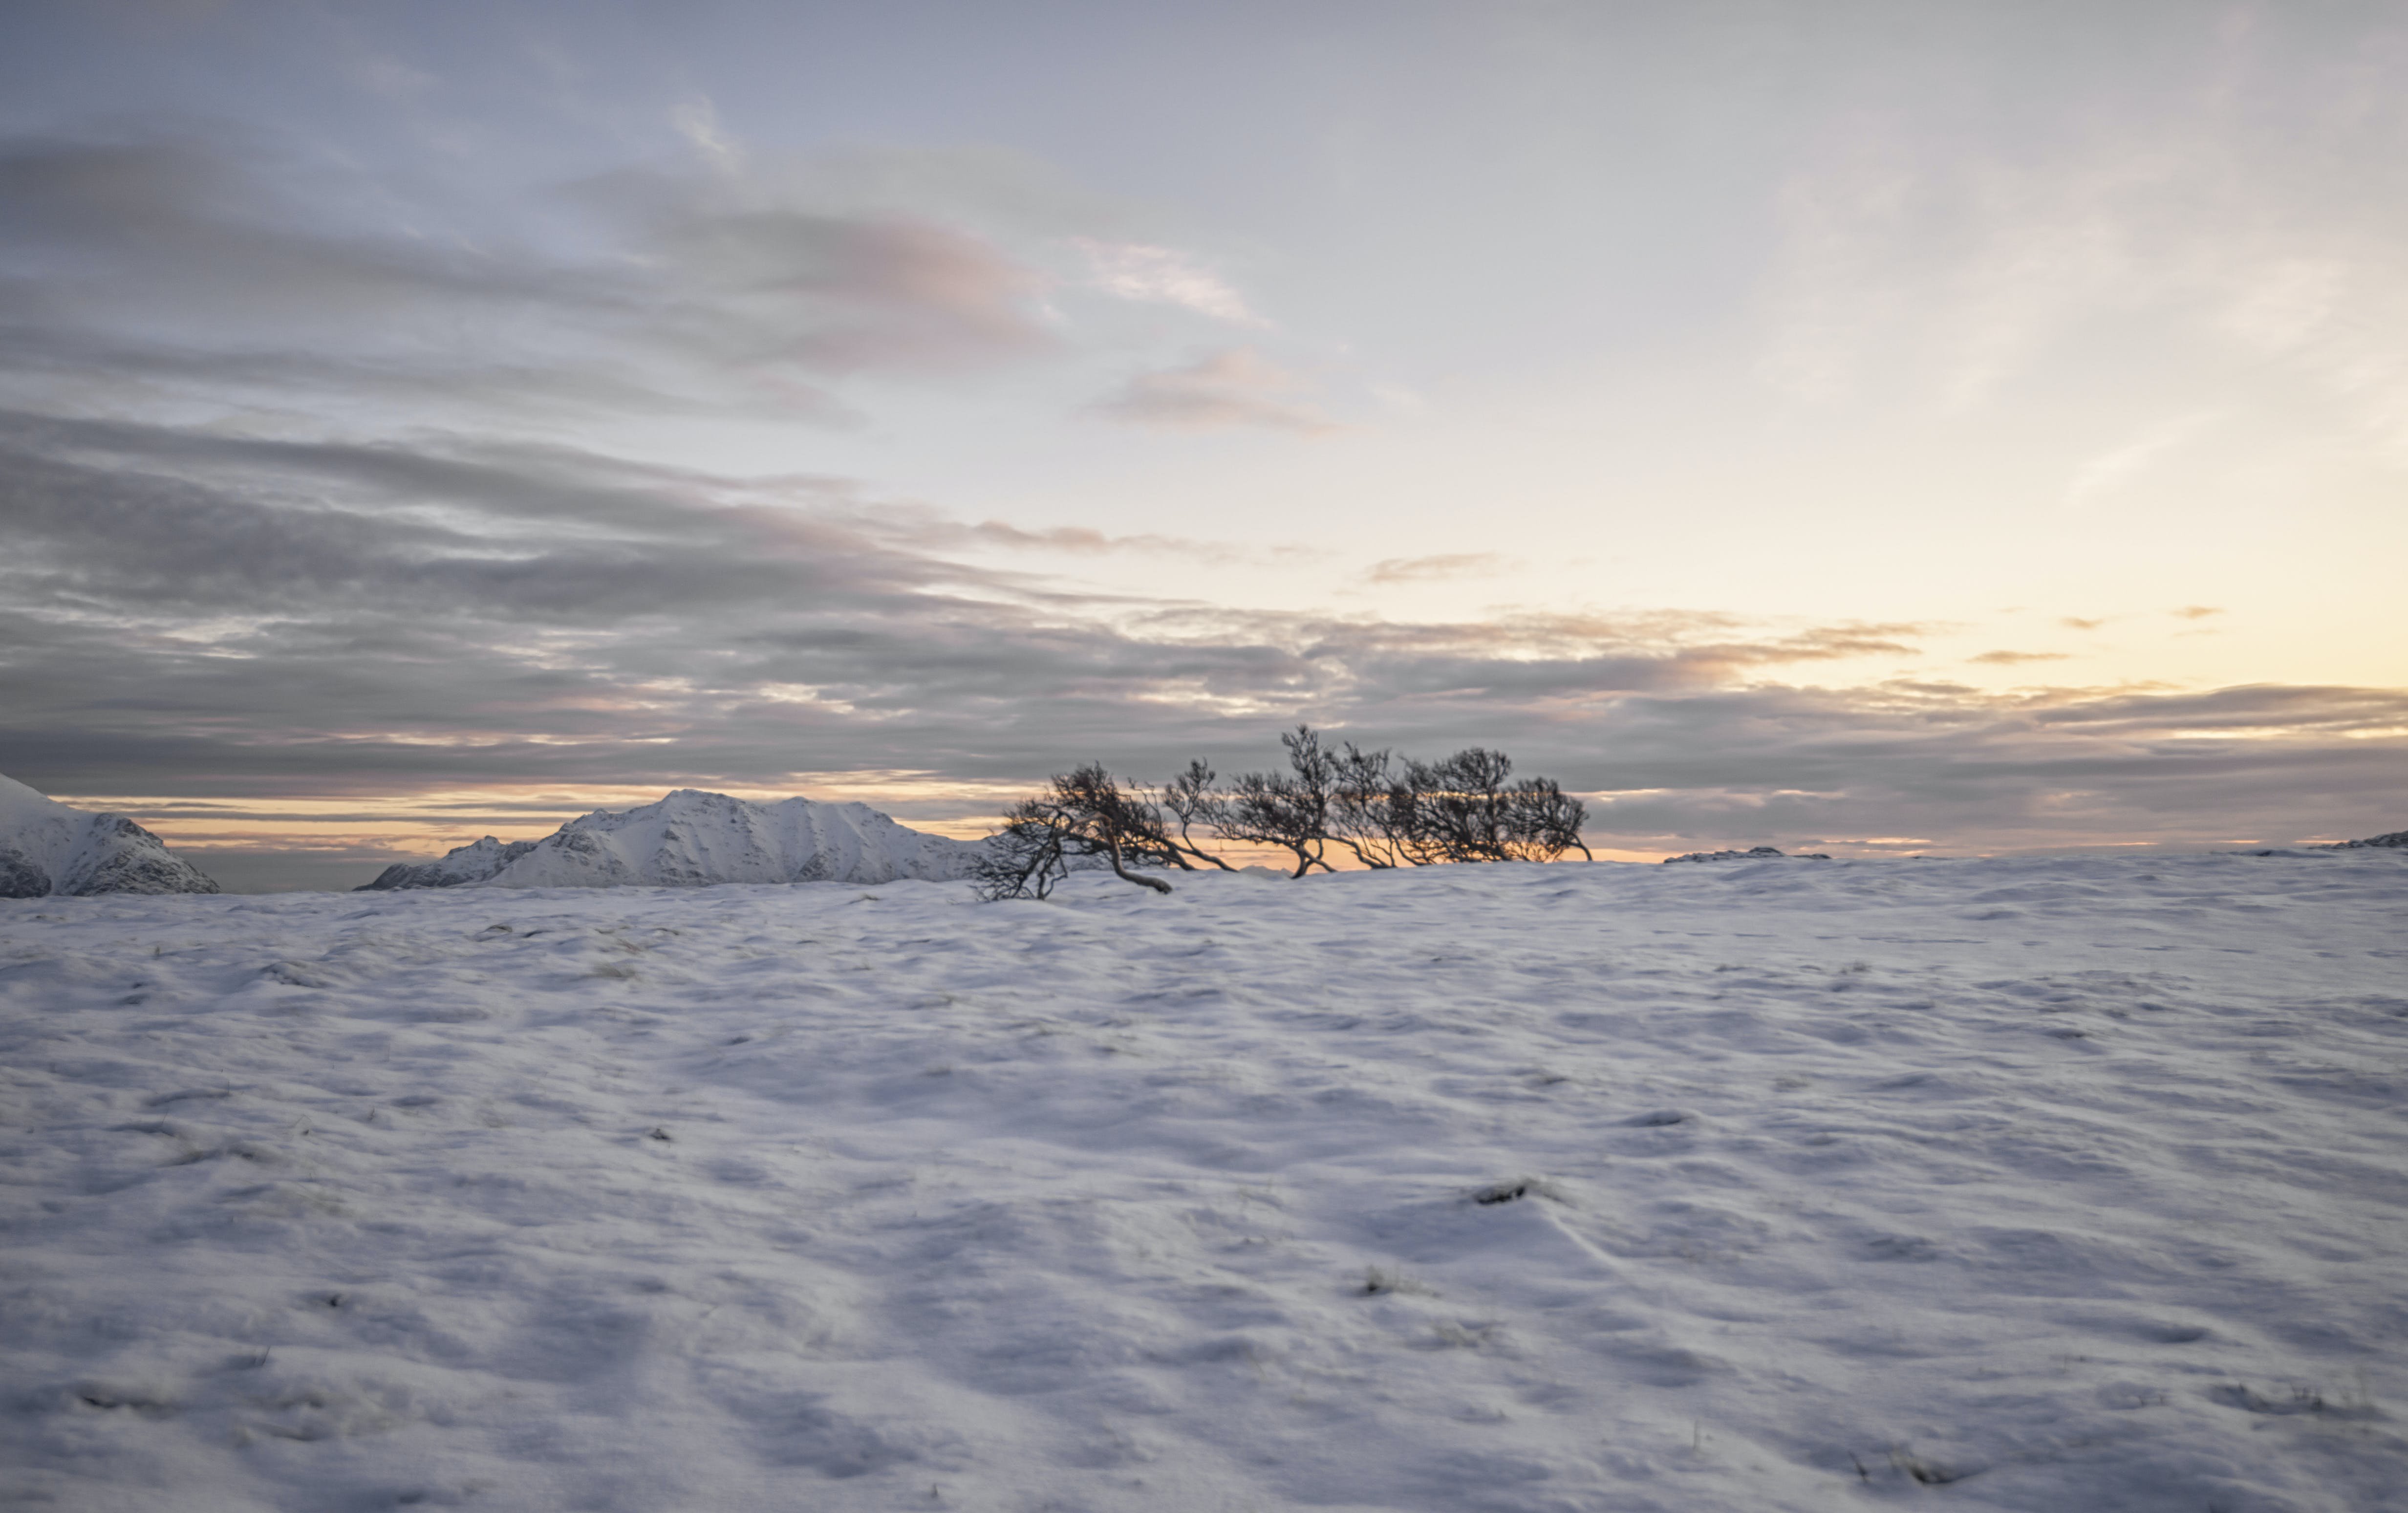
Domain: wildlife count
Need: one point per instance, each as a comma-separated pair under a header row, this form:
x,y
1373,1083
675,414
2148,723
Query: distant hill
x,y
47,850
2397,838
690,839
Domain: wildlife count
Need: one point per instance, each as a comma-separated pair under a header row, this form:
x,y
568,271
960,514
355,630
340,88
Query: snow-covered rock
x,y
47,848
471,863
2396,839
1751,854
692,840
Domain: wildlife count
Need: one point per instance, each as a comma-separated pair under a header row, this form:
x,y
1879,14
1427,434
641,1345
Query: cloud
x,y
1163,276
2016,658
221,269
2195,612
2110,471
697,122
1430,569
1229,389
2072,622
2207,218
413,599
186,612
1082,541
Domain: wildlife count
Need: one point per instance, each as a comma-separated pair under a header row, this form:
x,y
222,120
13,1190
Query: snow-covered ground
x,y
2055,1185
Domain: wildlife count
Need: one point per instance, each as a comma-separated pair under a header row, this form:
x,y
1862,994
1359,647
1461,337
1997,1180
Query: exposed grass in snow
x,y
2011,1185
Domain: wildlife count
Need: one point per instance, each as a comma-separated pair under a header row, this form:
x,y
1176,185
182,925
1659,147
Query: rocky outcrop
x,y
1751,854
690,839
48,849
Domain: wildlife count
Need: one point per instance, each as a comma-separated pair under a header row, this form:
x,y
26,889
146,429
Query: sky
x,y
1874,428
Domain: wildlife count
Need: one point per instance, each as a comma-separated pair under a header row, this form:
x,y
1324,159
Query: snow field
x,y
1994,1184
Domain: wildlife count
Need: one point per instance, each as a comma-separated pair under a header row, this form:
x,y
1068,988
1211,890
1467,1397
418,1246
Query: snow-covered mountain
x,y
691,840
472,863
47,848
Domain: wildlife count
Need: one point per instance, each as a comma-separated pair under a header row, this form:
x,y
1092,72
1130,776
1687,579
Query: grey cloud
x,y
757,281
211,265
222,617
930,531
1231,389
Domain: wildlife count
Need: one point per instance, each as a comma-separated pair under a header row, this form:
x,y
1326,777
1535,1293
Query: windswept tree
x,y
1287,808
1082,814
1193,801
1462,808
1362,816
1383,812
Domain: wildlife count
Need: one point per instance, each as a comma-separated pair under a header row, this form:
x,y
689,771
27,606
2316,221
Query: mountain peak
x,y
47,848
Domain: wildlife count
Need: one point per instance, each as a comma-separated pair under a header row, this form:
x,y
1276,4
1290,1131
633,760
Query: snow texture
x,y
2031,1185
47,848
693,839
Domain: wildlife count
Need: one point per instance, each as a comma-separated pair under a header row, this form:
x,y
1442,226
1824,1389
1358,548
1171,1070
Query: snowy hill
x,y
456,868
47,848
691,840
1989,1186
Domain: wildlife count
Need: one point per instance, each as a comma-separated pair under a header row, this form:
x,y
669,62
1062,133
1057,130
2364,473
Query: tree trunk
x,y
1113,847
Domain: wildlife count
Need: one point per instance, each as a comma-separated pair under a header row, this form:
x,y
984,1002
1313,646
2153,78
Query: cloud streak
x,y
1163,276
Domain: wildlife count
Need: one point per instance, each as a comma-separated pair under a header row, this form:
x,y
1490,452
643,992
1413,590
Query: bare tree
x,y
1084,812
1021,860
1462,808
1192,800
1362,816
1542,821
1286,809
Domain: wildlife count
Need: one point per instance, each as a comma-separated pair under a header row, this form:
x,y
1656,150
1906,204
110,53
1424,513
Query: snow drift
x,y
692,840
47,848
